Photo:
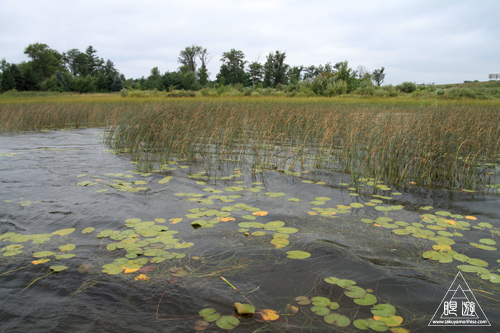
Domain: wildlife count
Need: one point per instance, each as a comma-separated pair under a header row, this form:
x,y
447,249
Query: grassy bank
x,y
427,141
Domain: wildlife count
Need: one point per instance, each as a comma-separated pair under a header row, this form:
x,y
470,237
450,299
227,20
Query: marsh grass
x,y
454,144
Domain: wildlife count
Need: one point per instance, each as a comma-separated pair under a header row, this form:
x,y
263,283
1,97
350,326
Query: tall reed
x,y
450,144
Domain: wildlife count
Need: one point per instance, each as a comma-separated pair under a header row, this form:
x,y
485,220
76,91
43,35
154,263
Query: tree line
x,y
85,72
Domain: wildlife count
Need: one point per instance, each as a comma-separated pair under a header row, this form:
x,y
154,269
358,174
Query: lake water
x,y
175,232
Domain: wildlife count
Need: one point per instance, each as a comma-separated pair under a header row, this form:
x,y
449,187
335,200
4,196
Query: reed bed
x,y
454,145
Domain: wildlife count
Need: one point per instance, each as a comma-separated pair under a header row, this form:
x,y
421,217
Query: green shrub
x,y
407,87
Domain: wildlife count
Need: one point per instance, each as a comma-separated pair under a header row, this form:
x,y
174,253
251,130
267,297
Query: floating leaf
x,y
354,292
201,325
58,268
337,319
142,277
275,194
67,248
345,282
320,310
227,322
279,242
368,299
331,280
294,199
302,300
63,232
244,309
41,254
390,321
383,310
260,213
298,254
320,301
487,241
88,230
165,180
269,315
361,324
41,261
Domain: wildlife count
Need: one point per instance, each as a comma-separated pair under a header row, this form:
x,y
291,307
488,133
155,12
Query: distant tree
x,y
76,62
187,58
154,80
117,84
232,70
378,76
189,81
295,74
310,72
45,61
8,81
172,80
275,69
94,63
203,73
346,74
255,73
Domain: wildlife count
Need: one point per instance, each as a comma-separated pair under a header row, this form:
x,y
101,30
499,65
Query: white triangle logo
x,y
459,307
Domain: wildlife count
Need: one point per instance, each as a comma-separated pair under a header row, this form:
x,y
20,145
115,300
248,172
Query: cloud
x,y
423,41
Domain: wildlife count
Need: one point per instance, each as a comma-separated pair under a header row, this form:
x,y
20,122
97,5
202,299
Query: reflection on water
x,y
57,186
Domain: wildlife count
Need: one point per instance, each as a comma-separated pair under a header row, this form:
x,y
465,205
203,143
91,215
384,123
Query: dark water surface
x,y
42,192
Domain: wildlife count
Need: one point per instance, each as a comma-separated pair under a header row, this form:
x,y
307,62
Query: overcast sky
x,y
424,41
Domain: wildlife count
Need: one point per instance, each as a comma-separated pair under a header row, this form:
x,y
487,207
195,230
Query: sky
x,y
422,41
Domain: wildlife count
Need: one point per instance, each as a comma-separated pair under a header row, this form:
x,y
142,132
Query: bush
x,y
124,92
407,87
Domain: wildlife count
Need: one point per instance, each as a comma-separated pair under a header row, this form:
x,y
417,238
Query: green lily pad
x,y
383,310
294,199
41,254
287,230
63,232
345,283
67,248
368,299
337,319
320,301
354,292
487,241
227,322
58,268
361,324
88,230
275,194
165,180
251,225
320,310
298,254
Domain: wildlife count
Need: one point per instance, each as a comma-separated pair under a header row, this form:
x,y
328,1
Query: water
x,y
39,194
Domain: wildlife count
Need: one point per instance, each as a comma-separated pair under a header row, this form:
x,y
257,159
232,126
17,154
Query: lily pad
x,y
227,322
337,319
244,309
298,254
354,292
88,230
320,301
302,300
67,248
58,268
320,310
383,310
368,299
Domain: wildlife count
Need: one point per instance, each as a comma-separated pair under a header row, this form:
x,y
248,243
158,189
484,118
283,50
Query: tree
x,y
189,81
346,74
203,71
232,70
117,84
275,69
45,61
76,62
295,74
94,63
378,76
187,58
255,72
